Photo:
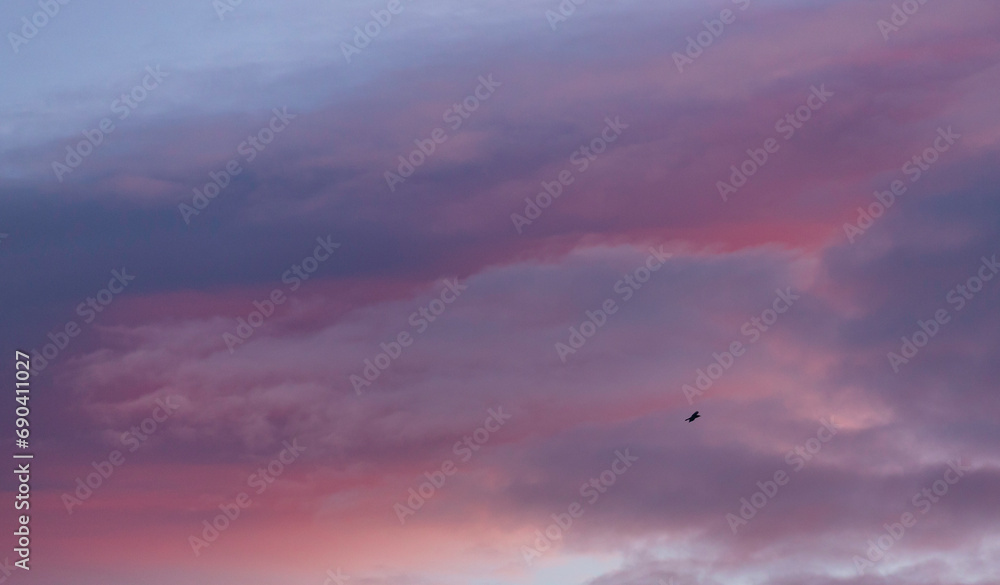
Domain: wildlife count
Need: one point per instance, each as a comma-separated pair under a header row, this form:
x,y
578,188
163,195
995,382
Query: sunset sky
x,y
431,306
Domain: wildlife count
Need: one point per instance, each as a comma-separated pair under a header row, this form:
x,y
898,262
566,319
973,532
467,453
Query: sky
x,y
430,304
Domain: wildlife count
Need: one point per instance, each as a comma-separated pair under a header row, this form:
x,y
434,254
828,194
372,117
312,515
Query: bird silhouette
x,y
692,417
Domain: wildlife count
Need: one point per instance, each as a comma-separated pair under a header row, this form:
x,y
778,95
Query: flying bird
x,y
692,417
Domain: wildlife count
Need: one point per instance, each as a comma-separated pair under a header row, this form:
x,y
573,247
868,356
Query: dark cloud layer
x,y
495,345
